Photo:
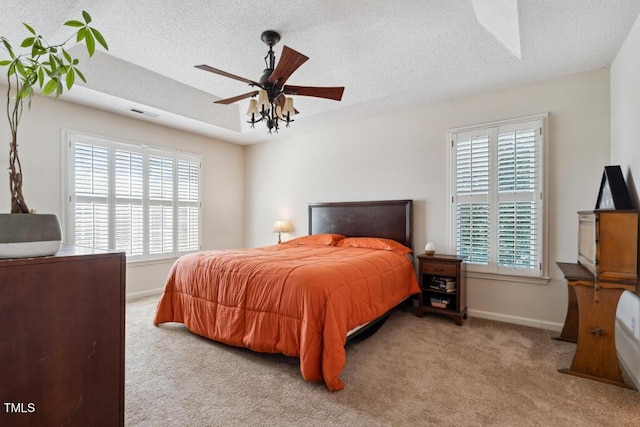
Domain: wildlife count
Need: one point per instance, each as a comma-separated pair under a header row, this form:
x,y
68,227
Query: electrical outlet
x,y
633,325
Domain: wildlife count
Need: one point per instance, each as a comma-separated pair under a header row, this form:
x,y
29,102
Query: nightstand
x,y
443,283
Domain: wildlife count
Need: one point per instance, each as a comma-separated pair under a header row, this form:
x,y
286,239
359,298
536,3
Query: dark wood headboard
x,y
391,219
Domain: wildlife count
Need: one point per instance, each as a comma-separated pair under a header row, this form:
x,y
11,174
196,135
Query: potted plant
x,y
52,69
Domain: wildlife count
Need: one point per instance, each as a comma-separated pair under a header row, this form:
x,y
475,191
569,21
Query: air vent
x,y
146,113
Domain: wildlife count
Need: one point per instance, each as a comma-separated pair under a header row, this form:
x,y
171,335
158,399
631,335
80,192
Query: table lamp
x,y
281,227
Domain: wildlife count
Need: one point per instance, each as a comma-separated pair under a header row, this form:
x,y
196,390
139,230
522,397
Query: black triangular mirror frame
x,y
613,193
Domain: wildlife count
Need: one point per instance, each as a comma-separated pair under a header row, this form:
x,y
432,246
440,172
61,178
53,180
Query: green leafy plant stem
x,y
50,68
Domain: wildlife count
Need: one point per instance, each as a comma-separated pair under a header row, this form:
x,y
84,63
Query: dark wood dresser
x,y
62,339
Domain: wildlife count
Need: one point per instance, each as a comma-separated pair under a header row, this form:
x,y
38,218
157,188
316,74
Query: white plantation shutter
x,y
497,197
472,210
160,204
188,204
518,189
92,195
129,192
143,201
473,232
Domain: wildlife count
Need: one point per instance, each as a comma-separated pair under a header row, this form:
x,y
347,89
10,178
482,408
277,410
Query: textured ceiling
x,y
388,55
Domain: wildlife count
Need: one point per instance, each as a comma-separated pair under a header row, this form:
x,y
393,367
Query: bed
x,y
302,297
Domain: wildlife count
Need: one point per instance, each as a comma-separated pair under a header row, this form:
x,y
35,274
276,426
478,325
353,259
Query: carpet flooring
x,y
412,372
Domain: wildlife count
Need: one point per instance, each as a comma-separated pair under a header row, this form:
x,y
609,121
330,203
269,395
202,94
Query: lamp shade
x,y
253,107
288,107
263,98
281,227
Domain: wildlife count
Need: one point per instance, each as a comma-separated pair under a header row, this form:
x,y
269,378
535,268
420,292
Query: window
x,y
133,198
497,196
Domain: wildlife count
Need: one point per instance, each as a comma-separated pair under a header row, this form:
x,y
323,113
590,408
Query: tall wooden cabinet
x,y
62,339
607,266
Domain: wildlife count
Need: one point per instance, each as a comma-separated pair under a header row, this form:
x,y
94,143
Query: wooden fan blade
x,y
289,62
334,93
224,73
236,98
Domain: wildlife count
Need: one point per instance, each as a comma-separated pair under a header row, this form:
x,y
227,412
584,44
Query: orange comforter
x,y
295,300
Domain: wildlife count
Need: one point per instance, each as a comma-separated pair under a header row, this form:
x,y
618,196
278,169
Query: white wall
x,y
40,153
625,110
625,151
403,155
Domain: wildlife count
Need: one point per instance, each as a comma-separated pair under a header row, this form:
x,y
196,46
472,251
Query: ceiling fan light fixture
x,y
271,106
263,99
253,107
288,106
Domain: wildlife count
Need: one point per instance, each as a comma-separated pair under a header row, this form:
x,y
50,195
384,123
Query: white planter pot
x,y
29,235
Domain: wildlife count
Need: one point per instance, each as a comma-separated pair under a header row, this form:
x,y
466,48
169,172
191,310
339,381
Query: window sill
x,y
140,260
508,278
145,262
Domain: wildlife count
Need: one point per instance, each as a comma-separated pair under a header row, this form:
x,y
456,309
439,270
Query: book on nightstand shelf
x,y
440,302
444,284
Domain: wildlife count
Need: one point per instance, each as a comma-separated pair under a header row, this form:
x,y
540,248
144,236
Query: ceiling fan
x,y
272,106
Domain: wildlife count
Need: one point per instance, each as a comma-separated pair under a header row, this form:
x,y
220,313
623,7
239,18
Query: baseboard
x,y
142,294
534,323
